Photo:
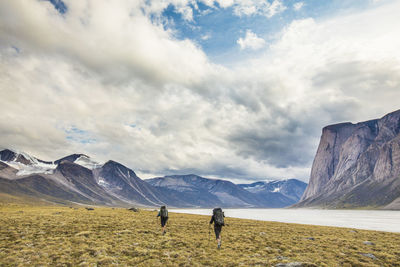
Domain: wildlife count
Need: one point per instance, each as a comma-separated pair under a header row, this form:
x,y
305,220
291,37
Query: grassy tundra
x,y
62,236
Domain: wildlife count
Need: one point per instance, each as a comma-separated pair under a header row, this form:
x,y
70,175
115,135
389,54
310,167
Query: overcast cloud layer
x,y
109,79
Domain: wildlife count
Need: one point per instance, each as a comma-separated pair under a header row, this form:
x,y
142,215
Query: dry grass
x,y
62,236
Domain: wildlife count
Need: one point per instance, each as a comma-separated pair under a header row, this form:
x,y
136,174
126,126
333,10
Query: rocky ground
x,y
71,236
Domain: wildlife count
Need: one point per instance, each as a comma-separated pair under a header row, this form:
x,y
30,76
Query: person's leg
x,y
217,229
164,225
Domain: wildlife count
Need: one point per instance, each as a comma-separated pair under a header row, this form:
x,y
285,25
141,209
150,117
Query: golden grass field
x,y
63,236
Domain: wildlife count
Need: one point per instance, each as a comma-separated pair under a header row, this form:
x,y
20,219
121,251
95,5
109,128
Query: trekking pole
x,y
209,233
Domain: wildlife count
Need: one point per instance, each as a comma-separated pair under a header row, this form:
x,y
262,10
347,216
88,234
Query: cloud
x,y
256,7
111,54
126,89
251,41
205,37
297,6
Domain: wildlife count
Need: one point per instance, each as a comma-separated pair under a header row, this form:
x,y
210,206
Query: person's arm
x,y
212,219
159,214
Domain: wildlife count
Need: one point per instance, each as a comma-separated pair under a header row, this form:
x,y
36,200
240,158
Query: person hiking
x,y
163,213
218,220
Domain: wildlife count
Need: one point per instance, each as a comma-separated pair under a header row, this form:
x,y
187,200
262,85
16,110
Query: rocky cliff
x,y
357,165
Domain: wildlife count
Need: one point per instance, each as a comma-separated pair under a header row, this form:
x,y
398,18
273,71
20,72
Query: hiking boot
x,y
219,244
164,232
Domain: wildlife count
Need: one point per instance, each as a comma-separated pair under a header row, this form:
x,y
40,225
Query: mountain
x,y
75,178
78,179
214,192
24,163
122,183
357,165
204,192
36,186
292,189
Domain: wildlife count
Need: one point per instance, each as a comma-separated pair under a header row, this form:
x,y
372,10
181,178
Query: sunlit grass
x,y
106,236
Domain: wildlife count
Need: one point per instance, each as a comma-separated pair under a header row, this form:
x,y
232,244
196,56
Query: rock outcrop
x,y
357,165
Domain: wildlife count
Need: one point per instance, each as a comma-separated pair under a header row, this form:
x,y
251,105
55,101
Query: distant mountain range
x,y
78,179
357,165
213,192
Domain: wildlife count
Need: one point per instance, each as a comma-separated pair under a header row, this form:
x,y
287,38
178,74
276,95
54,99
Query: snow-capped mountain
x,y
75,178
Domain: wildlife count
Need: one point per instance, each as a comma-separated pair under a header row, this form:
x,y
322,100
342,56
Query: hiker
x,y
163,213
218,220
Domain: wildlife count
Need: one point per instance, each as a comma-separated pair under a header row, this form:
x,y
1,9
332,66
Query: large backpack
x,y
164,212
218,216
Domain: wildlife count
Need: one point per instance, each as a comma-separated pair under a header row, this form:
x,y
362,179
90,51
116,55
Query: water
x,y
380,220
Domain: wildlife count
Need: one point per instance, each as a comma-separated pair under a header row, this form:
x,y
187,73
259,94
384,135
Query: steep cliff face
x,y
357,165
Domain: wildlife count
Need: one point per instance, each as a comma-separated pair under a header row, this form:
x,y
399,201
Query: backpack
x,y
163,212
218,216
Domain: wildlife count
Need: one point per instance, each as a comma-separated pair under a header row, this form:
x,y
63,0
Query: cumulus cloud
x,y
251,41
126,89
128,45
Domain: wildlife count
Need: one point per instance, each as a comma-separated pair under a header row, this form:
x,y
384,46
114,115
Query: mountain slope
x,y
82,179
357,165
123,183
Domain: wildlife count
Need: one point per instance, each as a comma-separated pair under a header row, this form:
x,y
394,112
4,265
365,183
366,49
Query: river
x,y
380,220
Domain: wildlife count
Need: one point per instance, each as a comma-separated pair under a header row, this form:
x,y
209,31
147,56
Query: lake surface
x,y
361,219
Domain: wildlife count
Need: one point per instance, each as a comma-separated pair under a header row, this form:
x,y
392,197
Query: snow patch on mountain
x,y
87,162
277,189
29,165
102,182
255,188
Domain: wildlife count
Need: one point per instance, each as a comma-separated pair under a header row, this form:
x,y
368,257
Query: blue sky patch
x,y
59,5
77,135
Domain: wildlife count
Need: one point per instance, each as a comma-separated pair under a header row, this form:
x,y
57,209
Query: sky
x,y
232,89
